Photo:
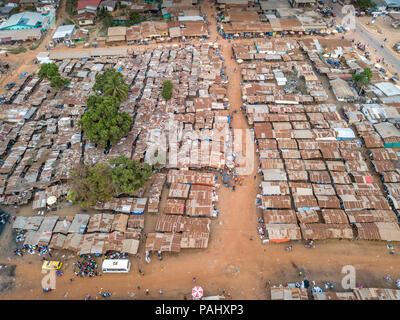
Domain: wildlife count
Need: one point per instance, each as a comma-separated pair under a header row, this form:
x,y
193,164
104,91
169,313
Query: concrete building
x,y
27,20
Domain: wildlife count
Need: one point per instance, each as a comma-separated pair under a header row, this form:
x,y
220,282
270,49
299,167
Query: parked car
x,y
9,85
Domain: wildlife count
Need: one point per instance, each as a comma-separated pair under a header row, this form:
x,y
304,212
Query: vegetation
x,y
167,89
68,21
71,6
129,175
17,50
50,71
365,4
30,8
103,123
111,83
100,182
363,78
58,82
105,17
15,10
90,184
134,18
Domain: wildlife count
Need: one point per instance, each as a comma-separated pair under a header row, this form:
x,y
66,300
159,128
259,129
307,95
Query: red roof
x,y
82,4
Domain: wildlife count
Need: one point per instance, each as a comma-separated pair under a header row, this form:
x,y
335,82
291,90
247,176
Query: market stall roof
x,y
130,246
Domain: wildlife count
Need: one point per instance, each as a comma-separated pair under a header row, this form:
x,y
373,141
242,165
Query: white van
x,y
116,266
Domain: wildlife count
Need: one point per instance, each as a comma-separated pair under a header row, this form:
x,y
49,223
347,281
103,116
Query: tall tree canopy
x,y
167,89
134,18
50,71
115,86
365,4
100,182
363,78
103,123
129,175
111,83
90,184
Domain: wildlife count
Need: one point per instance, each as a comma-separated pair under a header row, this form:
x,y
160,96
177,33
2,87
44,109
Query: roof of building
x,y
82,4
389,89
26,18
20,35
64,31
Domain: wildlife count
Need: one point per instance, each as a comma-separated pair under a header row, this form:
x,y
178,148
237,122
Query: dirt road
x,y
24,62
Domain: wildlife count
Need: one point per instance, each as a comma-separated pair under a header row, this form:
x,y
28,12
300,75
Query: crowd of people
x,y
86,267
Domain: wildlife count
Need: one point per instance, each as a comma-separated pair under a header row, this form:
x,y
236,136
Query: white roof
x,y
389,89
63,31
190,18
115,263
345,133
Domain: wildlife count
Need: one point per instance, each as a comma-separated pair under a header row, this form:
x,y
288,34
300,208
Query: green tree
x,y
48,70
58,82
30,8
90,184
106,77
363,78
105,17
134,18
115,86
103,123
167,89
129,175
365,4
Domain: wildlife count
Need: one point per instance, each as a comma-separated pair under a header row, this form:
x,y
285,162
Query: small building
x,y
86,18
395,16
44,8
63,32
7,36
302,3
88,6
108,4
26,20
116,34
342,90
5,13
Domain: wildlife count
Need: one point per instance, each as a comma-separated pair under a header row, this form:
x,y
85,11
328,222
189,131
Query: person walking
x,y
161,291
194,279
147,292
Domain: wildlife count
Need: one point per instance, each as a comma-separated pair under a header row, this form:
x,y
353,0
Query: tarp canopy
x,y
51,200
226,177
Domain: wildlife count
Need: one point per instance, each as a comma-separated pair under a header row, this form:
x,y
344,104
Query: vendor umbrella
x,y
197,292
225,177
51,200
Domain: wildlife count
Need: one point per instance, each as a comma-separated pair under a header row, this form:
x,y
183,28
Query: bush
x,y
167,89
18,50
